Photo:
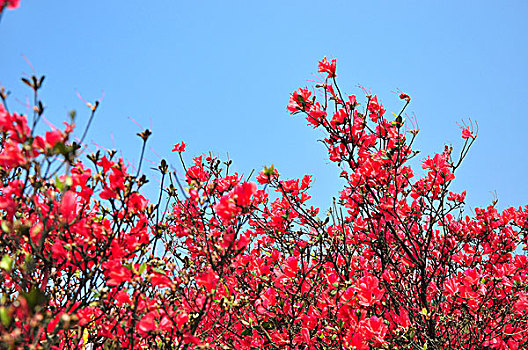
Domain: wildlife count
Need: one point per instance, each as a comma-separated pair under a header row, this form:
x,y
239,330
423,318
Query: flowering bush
x,y
231,263
394,263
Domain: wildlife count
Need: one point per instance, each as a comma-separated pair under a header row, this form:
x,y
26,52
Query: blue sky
x,y
218,75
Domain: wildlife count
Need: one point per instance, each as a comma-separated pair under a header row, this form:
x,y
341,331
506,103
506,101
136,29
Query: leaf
x,y
142,268
269,171
268,325
5,318
6,263
68,181
58,184
158,270
246,332
35,298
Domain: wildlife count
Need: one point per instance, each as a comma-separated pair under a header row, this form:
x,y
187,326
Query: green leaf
x,y
58,184
384,155
35,298
268,325
6,263
158,270
5,318
5,226
269,171
142,268
246,331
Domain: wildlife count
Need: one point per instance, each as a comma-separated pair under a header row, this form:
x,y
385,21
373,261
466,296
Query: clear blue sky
x,y
218,75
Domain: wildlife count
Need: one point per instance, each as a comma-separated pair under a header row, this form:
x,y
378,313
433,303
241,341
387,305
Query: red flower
x,y
243,192
327,67
451,287
160,280
368,291
455,197
182,319
54,137
375,108
226,207
522,304
316,115
405,97
234,202
179,147
147,323
466,133
9,4
375,328
291,267
339,117
207,280
106,164
267,175
299,101
306,180
116,272
68,206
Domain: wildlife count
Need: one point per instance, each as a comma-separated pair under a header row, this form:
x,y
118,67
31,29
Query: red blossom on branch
x,y
328,67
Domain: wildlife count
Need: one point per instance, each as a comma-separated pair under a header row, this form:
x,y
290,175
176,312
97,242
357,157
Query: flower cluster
x,y
227,262
9,4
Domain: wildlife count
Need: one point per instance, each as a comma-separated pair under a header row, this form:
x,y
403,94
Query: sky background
x,y
218,75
